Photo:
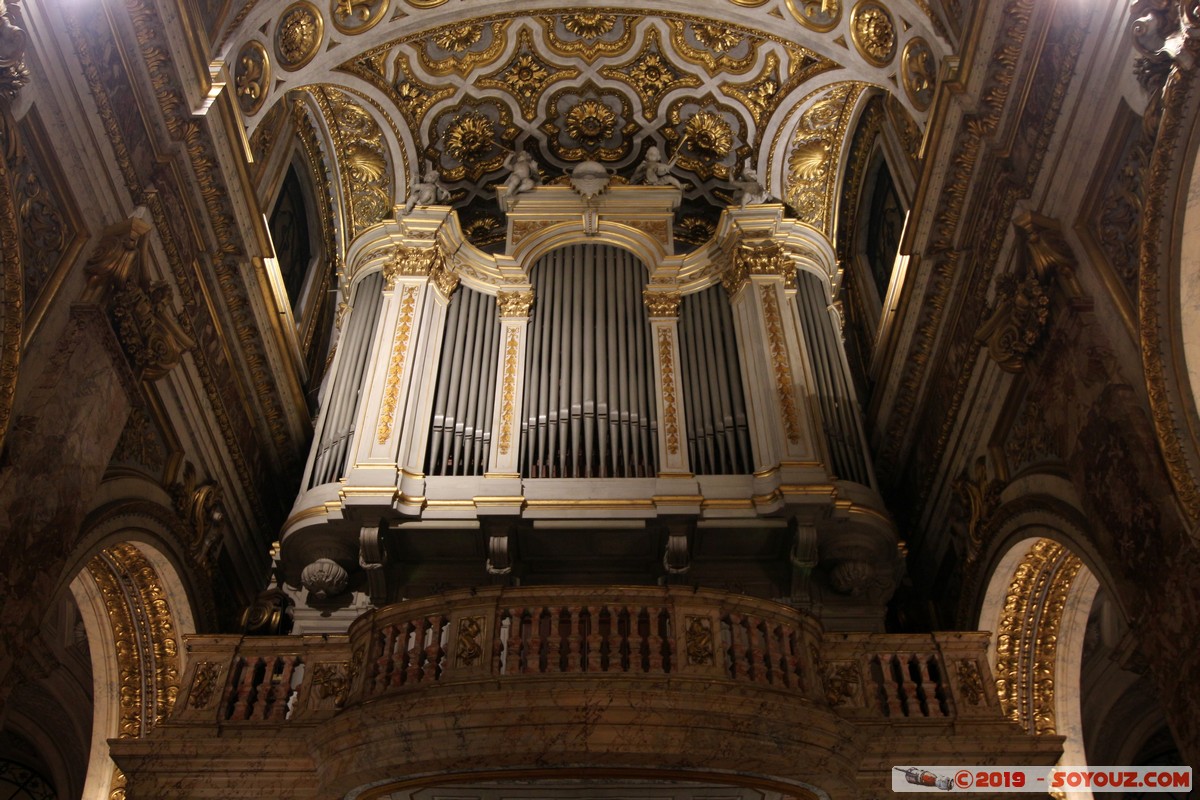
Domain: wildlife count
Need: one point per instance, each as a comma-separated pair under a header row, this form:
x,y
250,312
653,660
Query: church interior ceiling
x,y
396,88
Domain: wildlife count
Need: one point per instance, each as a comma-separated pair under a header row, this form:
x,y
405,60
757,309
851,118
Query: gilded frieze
x,y
781,363
362,157
357,16
298,35
395,373
918,72
873,32
251,77
508,390
666,357
651,74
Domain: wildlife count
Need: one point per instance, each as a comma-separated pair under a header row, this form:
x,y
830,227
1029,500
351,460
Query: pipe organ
x,y
590,406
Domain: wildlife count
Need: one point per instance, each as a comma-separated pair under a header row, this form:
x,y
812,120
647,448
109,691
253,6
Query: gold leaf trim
x,y
396,366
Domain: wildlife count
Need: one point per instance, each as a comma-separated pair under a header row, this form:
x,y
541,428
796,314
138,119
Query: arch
x,y
134,608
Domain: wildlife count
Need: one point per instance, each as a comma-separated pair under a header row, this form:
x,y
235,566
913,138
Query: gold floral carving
x,y
662,304
252,77
873,32
458,49
817,15
468,649
716,48
709,134
442,277
588,34
694,229
1158,226
298,36
471,139
590,122
717,147
651,74
391,391
204,684
666,357
508,396
811,169
970,682
761,259
332,679
656,228
698,640
781,363
1027,634
412,96
514,305
526,76
982,495
357,16
144,636
362,157
918,72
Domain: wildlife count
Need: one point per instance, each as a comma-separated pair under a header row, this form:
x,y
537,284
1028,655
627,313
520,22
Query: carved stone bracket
x,y
982,495
372,556
200,505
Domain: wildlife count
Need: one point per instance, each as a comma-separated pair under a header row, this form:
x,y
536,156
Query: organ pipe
x,y
589,407
460,436
835,392
336,429
718,433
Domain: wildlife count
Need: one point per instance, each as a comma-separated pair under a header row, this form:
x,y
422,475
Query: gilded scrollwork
x,y
918,72
468,649
357,16
588,34
362,157
204,685
459,49
331,679
666,357
715,47
508,391
817,15
842,683
970,681
781,363
395,373
811,168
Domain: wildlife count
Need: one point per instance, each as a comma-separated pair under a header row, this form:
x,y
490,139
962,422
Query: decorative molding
x,y
662,304
780,363
698,640
508,391
666,357
395,371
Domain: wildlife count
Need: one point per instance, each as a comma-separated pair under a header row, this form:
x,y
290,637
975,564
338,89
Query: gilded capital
x,y
662,304
515,304
410,262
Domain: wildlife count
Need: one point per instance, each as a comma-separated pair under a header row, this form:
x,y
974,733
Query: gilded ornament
x,y
357,16
508,391
970,682
391,392
709,134
526,76
485,231
842,682
298,36
873,32
666,357
470,137
590,122
441,277
817,15
698,640
694,229
252,77
662,304
332,679
651,74
459,38
361,157
810,186
718,37
459,49
918,72
468,649
781,363
514,304
589,24
204,684
716,48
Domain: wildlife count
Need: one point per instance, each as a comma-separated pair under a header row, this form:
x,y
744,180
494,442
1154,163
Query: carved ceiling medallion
x,y
918,72
589,35
470,140
590,122
298,36
873,32
817,15
711,137
252,77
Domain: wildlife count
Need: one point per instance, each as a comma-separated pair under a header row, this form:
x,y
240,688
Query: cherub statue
x,y
748,188
653,172
426,192
524,173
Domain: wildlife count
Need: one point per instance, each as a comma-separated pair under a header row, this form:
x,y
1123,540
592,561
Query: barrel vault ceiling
x,y
384,90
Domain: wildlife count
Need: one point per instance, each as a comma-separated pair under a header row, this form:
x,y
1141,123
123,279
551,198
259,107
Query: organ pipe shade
x,y
589,405
460,436
834,390
718,436
336,427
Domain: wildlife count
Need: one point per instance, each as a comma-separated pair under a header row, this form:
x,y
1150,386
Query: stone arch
x,y
135,609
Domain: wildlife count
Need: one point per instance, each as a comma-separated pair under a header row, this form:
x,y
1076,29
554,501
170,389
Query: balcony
x,y
541,680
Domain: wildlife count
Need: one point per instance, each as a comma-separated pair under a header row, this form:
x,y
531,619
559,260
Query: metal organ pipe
x,y
718,434
341,408
835,392
460,436
589,408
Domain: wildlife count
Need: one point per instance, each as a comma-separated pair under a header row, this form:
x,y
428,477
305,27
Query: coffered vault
x,y
464,86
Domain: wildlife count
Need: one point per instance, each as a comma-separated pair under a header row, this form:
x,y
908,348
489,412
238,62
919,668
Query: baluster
x,y
912,701
669,661
263,690
738,646
282,689
433,647
893,674
614,640
637,642
243,689
386,639
755,633
554,642
934,671
770,634
533,644
591,658
926,692
416,642
516,618
498,645
573,664
655,660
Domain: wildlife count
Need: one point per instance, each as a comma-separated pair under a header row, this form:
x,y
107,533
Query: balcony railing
x,y
504,636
